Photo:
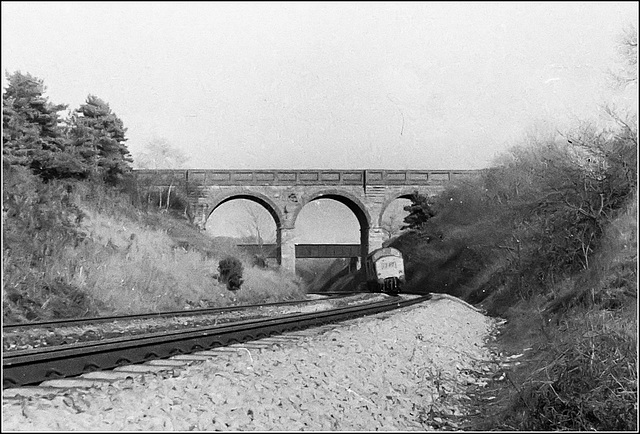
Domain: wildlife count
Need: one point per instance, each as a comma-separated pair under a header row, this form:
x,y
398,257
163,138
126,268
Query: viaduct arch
x,y
283,193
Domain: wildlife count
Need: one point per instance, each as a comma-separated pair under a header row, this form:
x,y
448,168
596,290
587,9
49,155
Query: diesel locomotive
x,y
384,270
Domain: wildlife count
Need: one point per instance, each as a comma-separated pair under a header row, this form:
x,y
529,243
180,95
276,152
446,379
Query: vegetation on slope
x,y
580,372
547,239
78,240
73,248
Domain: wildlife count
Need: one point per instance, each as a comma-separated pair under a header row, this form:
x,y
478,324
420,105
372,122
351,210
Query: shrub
x,y
230,269
536,218
586,377
40,224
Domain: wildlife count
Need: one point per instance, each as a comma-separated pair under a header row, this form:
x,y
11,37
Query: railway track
x,y
44,333
32,366
171,314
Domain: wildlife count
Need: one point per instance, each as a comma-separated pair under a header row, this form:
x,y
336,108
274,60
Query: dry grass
x,y
583,378
268,286
145,271
116,260
581,372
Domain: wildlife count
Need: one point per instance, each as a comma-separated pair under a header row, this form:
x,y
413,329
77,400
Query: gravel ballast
x,y
51,335
405,370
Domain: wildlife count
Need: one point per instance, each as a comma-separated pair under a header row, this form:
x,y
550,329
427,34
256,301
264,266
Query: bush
x,y
453,247
230,269
586,377
534,219
43,229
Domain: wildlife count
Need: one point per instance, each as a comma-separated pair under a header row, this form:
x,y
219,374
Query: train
x,y
384,271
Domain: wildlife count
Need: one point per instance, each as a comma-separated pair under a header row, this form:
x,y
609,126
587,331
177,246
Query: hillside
x,y
579,370
73,248
547,240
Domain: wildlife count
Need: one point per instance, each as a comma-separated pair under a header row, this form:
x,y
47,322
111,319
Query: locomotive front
x,y
385,270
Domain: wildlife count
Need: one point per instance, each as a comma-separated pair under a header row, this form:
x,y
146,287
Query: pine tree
x,y
419,212
99,136
32,133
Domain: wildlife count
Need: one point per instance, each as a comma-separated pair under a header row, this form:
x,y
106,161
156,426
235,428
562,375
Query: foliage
x,y
41,222
99,135
611,279
419,212
230,269
459,241
122,261
391,226
89,144
591,382
535,218
162,192
580,373
579,370
32,135
571,193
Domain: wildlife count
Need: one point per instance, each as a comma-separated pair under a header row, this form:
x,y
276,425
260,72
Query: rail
x,y
36,365
169,314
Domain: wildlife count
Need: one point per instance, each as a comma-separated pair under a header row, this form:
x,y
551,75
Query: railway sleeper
x,y
140,361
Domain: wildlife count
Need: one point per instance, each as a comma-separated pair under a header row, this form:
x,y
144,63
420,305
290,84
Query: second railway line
x,y
35,365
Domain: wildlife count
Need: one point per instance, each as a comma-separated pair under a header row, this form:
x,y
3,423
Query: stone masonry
x,y
283,193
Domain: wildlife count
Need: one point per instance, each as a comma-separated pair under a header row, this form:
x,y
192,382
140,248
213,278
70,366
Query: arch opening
x,y
335,219
245,219
257,198
351,202
392,216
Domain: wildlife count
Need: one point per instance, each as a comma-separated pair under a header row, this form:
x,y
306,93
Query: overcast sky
x,y
339,85
393,85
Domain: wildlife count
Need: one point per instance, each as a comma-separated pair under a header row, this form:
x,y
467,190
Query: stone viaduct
x,y
283,193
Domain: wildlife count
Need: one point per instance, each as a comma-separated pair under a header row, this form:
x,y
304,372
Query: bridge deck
x,y
300,177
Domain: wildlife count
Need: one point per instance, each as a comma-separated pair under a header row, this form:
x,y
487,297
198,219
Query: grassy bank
x,y
579,371
547,239
579,368
74,248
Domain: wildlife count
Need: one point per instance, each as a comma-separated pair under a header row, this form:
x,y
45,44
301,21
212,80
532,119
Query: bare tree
x,y
159,154
391,225
393,218
627,73
256,225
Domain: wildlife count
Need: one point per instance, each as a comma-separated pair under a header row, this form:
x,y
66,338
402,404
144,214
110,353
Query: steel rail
x,y
33,366
177,313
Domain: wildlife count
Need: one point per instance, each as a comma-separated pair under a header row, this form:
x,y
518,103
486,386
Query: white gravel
x,y
406,370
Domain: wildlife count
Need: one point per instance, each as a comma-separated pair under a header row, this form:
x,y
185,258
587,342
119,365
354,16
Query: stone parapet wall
x,y
303,177
283,193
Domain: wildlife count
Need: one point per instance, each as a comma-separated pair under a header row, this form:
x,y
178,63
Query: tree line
x,y
89,144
